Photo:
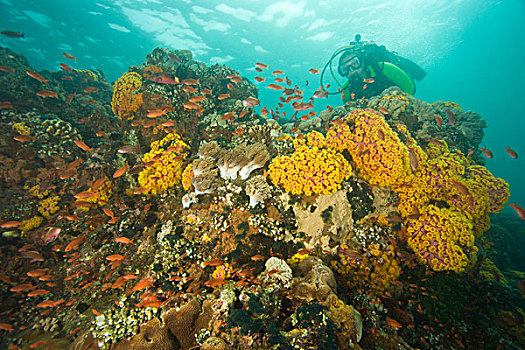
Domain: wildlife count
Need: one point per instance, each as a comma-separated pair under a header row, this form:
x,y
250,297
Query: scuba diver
x,y
370,69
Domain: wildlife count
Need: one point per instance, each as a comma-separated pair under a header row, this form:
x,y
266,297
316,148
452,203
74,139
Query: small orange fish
x,y
115,257
511,152
229,116
10,224
274,87
6,327
257,257
215,282
393,323
261,65
37,272
70,97
6,105
243,113
98,183
85,195
383,110
313,71
223,96
519,210
189,89
155,113
439,120
75,243
259,79
95,312
197,98
168,123
23,138
123,240
191,82
191,105
26,287
65,67
47,94
213,262
206,91
6,69
234,78
486,152
67,55
121,171
82,145
37,76
251,101
142,284
90,89
38,292
46,304
412,157
108,212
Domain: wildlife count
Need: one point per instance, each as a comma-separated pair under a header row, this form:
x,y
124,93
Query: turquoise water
x,y
473,51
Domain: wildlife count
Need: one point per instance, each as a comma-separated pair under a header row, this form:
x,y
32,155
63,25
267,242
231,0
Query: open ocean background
x,y
472,50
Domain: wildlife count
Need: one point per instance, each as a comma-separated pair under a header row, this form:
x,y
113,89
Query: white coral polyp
x,y
229,171
246,170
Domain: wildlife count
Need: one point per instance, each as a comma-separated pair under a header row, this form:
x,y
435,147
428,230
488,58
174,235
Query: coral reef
x,y
229,225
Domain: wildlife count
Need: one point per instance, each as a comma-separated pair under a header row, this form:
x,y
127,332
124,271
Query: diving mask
x,y
351,64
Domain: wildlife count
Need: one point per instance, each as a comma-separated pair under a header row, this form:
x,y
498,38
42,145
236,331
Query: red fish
x,y
6,69
90,89
6,105
82,145
257,79
11,34
261,65
65,67
164,78
277,72
70,97
47,93
439,120
275,87
75,243
23,138
486,152
519,210
191,82
121,171
511,152
251,101
223,96
37,76
414,162
451,117
67,55
383,110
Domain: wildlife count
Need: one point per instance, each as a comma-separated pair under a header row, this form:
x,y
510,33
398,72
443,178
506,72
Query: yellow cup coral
x,y
126,100
310,170
379,155
164,160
